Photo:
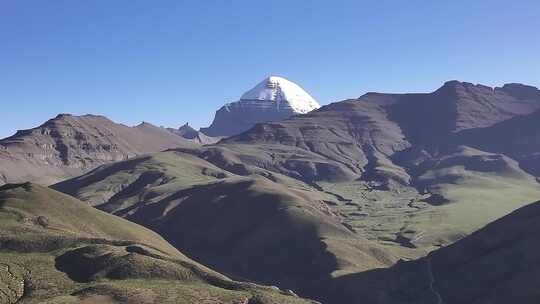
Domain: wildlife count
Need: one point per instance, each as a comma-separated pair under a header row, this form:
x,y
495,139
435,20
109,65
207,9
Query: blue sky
x,y
168,62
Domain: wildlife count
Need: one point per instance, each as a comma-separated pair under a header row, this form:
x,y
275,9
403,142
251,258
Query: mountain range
x,y
68,145
385,198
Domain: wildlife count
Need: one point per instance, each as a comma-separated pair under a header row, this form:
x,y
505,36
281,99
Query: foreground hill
x,y
55,249
68,145
497,264
244,221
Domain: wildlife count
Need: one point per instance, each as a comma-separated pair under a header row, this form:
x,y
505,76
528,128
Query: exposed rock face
x,y
69,145
273,99
11,284
187,132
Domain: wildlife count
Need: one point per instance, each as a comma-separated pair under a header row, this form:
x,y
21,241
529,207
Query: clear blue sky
x,y
168,62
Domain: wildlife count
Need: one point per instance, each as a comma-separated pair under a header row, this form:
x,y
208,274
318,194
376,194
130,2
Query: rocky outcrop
x,y
11,283
187,132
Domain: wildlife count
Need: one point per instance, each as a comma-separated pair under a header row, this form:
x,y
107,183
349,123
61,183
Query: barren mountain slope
x,y
67,146
364,134
518,138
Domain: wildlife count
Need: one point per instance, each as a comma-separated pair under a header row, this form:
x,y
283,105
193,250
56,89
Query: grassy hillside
x,y
56,249
497,264
117,186
458,191
244,221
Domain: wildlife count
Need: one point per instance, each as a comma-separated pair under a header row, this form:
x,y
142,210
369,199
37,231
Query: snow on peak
x,y
278,90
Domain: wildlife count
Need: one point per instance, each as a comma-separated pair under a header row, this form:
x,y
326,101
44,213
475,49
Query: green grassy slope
x,y
458,191
56,249
222,207
496,264
119,185
244,221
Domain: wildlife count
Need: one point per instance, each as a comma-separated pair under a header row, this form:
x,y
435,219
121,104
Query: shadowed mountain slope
x,y
68,146
56,249
497,264
518,138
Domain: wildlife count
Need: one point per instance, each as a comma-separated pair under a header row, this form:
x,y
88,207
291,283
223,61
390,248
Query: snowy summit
x,y
283,93
273,99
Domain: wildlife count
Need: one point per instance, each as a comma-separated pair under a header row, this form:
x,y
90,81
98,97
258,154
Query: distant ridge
x,y
187,132
69,145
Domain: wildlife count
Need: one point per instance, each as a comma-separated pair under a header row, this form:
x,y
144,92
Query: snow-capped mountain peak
x,y
280,90
273,99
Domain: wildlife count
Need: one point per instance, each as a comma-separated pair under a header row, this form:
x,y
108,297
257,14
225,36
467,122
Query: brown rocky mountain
x,y
369,137
518,138
69,145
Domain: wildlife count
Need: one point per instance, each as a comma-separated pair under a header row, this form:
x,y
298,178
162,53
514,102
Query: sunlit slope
x,y
56,249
